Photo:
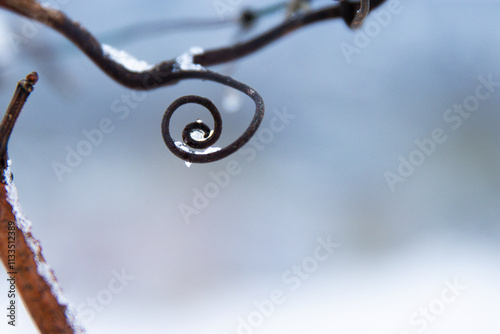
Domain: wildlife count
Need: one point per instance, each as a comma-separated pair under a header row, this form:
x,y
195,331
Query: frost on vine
x,y
185,61
126,60
43,269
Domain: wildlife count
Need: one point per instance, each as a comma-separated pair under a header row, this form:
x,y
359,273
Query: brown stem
x,y
19,251
165,73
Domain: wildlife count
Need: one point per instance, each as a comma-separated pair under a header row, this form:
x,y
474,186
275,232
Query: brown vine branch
x,y
166,72
190,66
20,253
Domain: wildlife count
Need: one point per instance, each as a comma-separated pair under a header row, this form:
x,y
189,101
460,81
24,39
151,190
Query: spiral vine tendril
x,y
198,135
167,72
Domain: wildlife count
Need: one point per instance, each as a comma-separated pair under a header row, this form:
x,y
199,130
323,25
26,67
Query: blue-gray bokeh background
x,y
323,175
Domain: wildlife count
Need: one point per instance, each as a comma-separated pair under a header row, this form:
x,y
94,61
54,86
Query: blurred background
x,y
140,242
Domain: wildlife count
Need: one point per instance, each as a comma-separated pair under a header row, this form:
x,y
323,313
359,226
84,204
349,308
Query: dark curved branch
x,y
165,73
190,67
223,55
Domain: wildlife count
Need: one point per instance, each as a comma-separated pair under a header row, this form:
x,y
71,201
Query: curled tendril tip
x,y
361,14
197,135
352,17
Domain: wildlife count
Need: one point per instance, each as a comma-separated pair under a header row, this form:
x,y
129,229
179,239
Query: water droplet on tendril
x,y
198,134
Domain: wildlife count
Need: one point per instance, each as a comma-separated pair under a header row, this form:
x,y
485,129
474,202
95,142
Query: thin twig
x,y
149,28
23,90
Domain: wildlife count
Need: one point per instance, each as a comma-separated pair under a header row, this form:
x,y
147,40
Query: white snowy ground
x,y
378,296
405,292
118,213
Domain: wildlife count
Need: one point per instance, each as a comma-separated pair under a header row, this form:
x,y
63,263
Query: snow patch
x,y
43,268
208,150
125,59
185,61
